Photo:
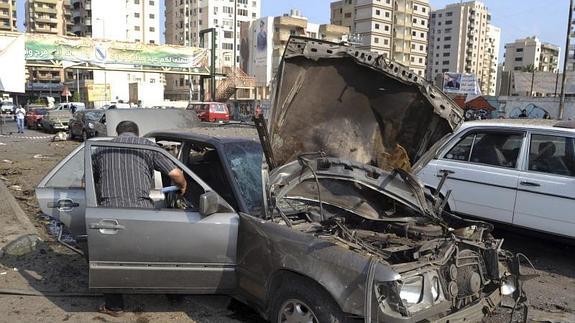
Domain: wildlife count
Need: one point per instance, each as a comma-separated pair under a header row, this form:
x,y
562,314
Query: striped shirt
x,y
124,176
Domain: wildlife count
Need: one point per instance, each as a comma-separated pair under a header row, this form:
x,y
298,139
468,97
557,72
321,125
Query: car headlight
x,y
412,290
90,125
508,286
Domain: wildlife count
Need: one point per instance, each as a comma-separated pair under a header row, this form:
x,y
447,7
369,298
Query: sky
x,y
546,19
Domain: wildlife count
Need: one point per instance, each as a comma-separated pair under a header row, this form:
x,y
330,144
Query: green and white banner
x,y
102,52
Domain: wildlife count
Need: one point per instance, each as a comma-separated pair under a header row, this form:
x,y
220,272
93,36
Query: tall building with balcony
x,y
47,17
396,29
185,20
462,40
8,15
531,54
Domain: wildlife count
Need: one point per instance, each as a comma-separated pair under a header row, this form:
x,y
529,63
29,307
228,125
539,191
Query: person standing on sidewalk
x,y
20,115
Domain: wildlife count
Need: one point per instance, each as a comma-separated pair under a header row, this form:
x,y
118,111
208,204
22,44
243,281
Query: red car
x,y
34,116
210,111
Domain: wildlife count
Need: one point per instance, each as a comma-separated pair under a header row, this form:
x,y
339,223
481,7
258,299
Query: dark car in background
x,y
34,115
210,111
87,124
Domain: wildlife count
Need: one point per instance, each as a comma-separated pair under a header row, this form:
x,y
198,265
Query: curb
x,y
14,209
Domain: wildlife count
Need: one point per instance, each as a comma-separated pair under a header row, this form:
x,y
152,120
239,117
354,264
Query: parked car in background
x,y
347,236
519,172
210,111
87,124
72,107
56,120
7,107
34,115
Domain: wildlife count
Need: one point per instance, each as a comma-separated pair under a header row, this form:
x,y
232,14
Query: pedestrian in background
x,y
20,114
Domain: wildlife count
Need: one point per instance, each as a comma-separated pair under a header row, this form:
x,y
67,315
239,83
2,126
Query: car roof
x,y
215,135
568,126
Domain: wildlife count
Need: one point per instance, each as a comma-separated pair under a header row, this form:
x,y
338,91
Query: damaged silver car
x,y
335,229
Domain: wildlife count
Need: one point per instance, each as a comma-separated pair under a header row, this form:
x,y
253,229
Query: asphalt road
x,y
25,159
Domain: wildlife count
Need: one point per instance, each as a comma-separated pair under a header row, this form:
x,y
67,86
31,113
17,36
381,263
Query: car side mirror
x,y
209,203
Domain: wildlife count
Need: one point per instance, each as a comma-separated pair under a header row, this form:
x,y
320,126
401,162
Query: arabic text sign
x,y
460,83
87,50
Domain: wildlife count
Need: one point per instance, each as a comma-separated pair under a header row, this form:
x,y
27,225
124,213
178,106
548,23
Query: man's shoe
x,y
104,310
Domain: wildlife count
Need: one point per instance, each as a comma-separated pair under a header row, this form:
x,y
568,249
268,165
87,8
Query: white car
x,y
519,172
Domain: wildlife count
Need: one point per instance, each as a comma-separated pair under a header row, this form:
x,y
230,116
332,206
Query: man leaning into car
x,y
124,178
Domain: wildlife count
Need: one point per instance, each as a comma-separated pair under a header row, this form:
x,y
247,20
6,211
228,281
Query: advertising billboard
x,y
262,50
12,74
461,83
86,50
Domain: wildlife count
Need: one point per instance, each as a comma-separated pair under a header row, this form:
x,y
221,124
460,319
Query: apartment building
x,y
267,38
462,40
530,53
47,17
8,15
186,18
119,20
396,29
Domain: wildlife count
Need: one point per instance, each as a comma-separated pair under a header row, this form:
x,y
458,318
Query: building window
x,y
518,59
447,38
228,34
519,50
152,16
243,12
423,9
347,15
152,41
136,28
376,40
151,3
386,28
386,41
387,14
152,29
420,60
377,12
447,46
449,22
421,47
136,1
446,54
445,62
228,10
137,14
376,26
449,14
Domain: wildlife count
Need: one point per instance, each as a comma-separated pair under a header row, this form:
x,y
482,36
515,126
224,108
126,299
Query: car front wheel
x,y
299,302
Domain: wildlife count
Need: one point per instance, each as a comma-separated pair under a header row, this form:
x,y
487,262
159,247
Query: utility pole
x,y
564,77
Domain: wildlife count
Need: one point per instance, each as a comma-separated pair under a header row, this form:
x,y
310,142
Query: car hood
x,y
351,186
355,105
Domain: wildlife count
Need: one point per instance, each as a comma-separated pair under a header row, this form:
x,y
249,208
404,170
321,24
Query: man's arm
x,y
166,166
177,176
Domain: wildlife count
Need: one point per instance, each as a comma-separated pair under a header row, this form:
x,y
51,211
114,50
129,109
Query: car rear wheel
x,y
299,302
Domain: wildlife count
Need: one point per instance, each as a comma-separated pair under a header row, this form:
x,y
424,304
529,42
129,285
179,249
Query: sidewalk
x,y
14,222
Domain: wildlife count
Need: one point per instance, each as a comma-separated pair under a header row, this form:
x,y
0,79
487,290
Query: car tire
x,y
299,301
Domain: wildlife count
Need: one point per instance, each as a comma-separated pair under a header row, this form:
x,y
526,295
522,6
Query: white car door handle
x,y
530,184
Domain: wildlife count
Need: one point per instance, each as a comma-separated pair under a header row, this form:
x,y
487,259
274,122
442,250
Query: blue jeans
x,y
20,124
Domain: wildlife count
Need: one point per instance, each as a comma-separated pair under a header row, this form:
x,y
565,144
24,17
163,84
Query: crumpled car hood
x,y
354,105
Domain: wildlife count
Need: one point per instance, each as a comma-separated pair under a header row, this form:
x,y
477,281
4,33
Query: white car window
x,y
491,148
552,154
71,174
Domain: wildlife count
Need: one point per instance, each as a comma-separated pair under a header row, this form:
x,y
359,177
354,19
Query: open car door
x,y
165,248
61,193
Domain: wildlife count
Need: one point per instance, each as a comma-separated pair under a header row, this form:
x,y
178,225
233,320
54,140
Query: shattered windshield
x,y
245,161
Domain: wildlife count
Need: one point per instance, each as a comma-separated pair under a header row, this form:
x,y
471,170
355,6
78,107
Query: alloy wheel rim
x,y
296,311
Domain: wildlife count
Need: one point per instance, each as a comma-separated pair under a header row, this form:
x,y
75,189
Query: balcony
x,y
44,9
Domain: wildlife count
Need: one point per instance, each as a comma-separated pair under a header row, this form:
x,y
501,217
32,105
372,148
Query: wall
x,y
510,104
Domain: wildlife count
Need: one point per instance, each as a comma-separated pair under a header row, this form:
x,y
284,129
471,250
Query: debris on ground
x,y
7,161
16,187
40,156
21,246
